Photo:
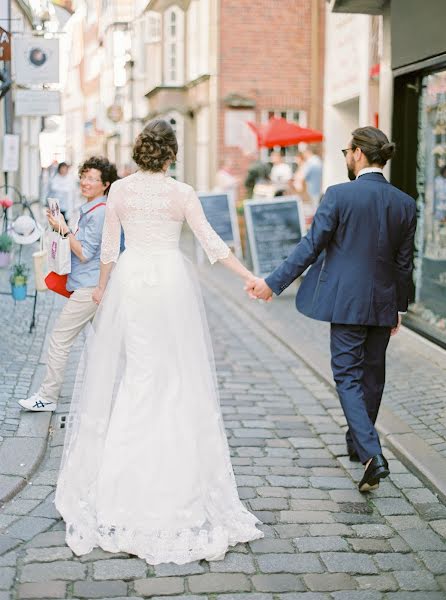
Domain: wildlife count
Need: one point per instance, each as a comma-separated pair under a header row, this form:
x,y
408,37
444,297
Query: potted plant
x,y
5,249
18,279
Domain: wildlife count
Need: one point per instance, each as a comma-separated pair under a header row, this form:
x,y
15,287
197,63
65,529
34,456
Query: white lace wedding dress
x,y
146,466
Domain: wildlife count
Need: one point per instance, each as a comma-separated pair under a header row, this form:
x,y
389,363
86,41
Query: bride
x,y
146,467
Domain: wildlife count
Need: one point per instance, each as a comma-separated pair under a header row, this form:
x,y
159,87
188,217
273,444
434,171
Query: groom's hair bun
x,y
374,143
155,146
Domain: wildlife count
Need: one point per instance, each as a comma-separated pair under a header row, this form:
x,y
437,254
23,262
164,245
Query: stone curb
x,y
413,451
21,455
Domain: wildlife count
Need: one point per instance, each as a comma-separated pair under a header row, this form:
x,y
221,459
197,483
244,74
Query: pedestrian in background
x,y
310,175
62,187
281,174
96,175
258,172
225,180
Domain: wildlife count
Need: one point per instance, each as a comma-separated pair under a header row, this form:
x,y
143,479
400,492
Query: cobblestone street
x,y
323,540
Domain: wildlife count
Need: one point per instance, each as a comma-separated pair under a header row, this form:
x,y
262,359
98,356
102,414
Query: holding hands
x,y
258,289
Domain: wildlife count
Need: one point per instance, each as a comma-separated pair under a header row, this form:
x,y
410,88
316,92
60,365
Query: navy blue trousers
x,y
358,362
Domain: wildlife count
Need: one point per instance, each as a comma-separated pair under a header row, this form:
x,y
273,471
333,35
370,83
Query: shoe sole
x,y
374,483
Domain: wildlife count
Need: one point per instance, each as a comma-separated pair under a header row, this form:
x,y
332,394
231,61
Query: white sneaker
x,y
38,404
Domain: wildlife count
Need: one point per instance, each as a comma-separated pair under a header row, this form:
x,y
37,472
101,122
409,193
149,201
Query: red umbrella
x,y
280,132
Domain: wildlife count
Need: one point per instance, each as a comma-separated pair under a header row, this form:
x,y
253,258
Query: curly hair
x,y
108,171
155,146
374,143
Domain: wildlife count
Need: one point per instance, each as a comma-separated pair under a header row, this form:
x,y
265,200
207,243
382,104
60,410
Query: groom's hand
x,y
258,288
396,329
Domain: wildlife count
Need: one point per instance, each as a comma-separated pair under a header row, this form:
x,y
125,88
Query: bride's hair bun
x,y
155,146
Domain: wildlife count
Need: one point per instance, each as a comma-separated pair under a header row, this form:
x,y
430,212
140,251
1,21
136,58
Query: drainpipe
x,y
314,77
8,106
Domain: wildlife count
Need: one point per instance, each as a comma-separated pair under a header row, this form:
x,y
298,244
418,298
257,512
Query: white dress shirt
x,y
369,170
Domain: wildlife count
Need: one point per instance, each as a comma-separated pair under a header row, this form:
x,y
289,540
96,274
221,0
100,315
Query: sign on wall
x,y
37,103
36,60
274,228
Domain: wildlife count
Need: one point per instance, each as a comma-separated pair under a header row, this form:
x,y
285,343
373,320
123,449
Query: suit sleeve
x,y
404,263
324,225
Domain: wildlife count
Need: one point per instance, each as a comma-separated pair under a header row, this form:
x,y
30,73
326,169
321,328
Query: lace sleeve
x,y
210,241
111,234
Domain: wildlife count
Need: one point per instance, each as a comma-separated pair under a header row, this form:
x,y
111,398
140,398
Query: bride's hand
x,y
97,295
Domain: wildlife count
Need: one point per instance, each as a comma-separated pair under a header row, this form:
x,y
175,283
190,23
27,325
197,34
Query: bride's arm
x,y
111,242
232,262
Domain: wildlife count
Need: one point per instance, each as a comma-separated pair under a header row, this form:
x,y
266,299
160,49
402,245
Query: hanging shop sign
x,y
36,60
5,45
37,103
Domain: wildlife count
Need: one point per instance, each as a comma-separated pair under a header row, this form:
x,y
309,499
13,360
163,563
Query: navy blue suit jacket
x,y
361,247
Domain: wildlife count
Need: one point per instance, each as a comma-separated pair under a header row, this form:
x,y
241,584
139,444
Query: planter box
x,y
18,292
5,259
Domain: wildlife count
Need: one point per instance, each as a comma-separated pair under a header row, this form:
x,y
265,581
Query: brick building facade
x,y
271,58
234,61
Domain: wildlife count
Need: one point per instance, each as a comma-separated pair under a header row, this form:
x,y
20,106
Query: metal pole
x,y
8,96
132,102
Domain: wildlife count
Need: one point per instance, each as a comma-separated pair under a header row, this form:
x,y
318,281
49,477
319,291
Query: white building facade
x,y
353,69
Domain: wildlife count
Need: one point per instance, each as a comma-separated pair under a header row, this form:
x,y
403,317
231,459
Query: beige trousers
x,y
77,312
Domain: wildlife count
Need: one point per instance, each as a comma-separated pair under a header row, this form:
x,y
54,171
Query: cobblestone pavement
x,y
323,540
22,441
415,387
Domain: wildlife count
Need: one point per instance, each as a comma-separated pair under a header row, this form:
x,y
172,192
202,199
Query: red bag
x,y
57,283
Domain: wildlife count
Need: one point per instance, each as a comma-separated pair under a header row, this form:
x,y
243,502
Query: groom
x,y
361,247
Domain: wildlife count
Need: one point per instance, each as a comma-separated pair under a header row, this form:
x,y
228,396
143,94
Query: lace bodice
x,y
151,209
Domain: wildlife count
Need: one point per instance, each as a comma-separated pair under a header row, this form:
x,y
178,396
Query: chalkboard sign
x,y
274,228
221,214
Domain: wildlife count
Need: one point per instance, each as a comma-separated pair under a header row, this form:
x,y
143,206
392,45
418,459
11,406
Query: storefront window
x,y
429,308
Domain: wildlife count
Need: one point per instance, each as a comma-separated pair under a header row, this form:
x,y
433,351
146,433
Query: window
x,y
192,41
174,46
428,311
152,50
138,41
204,37
121,46
153,27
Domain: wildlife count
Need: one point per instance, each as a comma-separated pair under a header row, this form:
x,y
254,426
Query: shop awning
x,y
280,132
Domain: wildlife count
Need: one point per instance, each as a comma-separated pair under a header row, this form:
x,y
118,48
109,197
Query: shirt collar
x,y
89,205
370,170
